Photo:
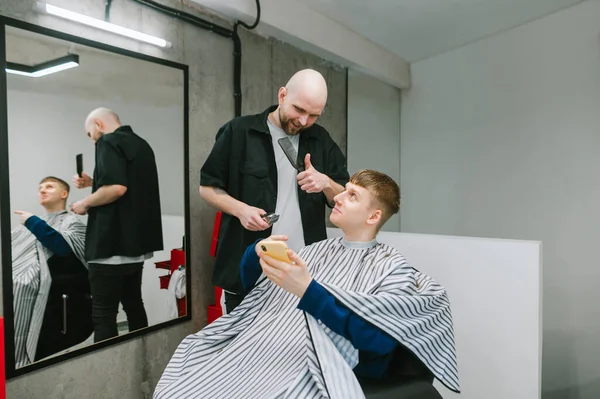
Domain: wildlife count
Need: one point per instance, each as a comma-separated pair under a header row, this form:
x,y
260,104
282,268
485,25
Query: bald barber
x,y
248,175
124,221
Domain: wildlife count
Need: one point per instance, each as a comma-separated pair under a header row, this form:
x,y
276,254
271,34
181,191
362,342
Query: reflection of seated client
x,y
51,293
343,309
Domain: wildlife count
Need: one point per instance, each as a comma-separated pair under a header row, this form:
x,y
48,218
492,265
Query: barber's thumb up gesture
x,y
311,180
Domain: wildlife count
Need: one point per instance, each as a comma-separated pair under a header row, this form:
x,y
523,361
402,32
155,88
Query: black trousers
x,y
111,285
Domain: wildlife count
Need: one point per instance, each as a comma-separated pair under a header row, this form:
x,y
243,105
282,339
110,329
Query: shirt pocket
x,y
255,185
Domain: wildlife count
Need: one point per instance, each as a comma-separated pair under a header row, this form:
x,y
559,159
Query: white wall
x,y
46,133
374,129
501,138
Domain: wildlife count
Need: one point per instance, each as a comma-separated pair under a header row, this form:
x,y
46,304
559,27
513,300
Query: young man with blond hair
x,y
49,274
342,309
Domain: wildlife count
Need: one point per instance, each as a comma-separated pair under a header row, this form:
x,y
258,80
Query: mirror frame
x,y
5,220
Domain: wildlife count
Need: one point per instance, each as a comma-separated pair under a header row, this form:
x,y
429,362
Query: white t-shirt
x,y
288,207
123,260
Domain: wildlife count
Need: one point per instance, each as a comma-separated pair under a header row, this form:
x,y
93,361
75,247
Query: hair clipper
x,y
270,218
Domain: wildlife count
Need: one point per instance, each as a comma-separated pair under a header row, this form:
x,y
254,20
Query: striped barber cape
x,y
32,280
267,348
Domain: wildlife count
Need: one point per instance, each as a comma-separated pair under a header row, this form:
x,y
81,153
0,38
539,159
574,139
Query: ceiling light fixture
x,y
97,23
45,68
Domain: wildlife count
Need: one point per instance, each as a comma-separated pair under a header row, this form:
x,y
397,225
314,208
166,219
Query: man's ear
x,y
64,195
375,217
281,95
99,125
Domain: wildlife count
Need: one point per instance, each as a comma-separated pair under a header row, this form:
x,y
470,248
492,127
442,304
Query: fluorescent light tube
x,y
45,68
17,72
97,23
54,69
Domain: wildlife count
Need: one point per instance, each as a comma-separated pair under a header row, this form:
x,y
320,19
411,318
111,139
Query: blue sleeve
x,y
323,306
49,237
250,269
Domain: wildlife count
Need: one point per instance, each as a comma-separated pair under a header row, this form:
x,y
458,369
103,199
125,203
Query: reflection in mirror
x,y
83,275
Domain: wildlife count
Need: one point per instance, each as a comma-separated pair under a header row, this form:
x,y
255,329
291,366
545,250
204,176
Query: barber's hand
x,y
311,180
251,218
83,181
293,278
79,208
271,238
23,216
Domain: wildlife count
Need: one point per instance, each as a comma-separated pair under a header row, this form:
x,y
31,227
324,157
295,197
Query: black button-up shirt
x,y
242,162
131,225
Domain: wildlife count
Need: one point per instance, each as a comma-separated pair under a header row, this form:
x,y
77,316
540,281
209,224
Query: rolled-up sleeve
x,y
215,171
111,165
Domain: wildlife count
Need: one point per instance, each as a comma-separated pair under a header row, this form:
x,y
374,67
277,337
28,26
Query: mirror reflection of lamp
x,y
45,68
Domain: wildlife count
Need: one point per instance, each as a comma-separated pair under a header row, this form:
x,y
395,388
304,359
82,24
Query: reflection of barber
x,y
248,174
124,224
52,307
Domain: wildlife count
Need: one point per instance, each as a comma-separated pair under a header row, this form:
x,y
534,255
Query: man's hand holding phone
x,y
283,266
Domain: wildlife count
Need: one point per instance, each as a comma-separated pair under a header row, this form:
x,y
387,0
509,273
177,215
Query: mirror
x,y
69,283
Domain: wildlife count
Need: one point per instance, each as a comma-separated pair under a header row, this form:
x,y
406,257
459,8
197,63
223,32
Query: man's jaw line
x,y
354,236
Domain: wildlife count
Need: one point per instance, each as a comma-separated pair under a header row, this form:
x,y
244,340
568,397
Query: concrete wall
x,y
131,369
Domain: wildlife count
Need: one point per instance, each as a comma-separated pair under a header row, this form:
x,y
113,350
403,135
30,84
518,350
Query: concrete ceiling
x,y
419,29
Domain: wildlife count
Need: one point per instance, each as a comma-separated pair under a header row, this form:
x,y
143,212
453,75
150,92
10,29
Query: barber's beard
x,y
97,137
287,126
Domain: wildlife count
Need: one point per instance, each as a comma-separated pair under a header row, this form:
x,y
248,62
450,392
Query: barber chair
x,y
67,319
408,378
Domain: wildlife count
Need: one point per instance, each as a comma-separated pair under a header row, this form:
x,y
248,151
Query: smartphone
x,y
275,249
79,159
